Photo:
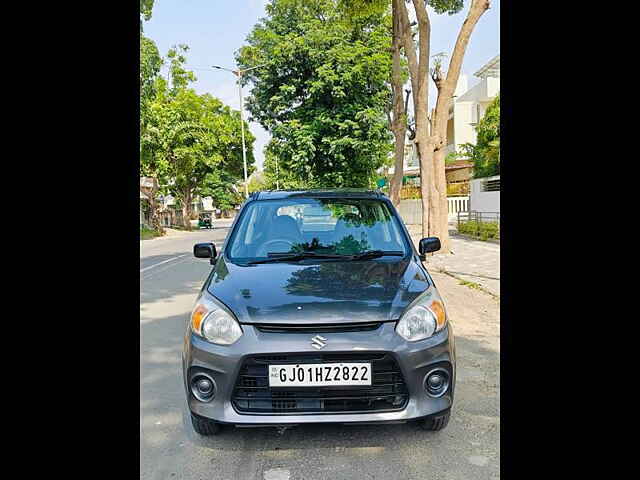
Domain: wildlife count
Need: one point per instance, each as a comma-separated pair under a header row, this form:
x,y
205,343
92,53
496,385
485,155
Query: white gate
x,y
411,210
457,204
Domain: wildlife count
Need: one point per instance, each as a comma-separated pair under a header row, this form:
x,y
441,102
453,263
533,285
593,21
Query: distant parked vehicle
x,y
205,221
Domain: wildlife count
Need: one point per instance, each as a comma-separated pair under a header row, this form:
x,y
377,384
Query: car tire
x,y
436,423
204,426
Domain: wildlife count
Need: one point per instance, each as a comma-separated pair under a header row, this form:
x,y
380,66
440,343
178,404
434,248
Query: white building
x,y
469,104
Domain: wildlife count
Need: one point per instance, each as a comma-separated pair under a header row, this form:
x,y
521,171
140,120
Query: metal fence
x,y
482,225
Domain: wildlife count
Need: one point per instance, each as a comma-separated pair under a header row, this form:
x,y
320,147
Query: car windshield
x,y
332,226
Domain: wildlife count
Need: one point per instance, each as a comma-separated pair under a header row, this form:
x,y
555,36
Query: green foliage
x,y
192,143
446,6
323,94
146,7
486,152
180,76
257,183
359,8
150,63
482,230
453,156
275,176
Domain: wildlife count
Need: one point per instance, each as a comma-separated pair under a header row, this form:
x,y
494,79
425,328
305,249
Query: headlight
x,y
213,322
425,317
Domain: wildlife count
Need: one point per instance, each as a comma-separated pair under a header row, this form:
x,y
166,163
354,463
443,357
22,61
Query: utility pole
x,y
244,149
238,73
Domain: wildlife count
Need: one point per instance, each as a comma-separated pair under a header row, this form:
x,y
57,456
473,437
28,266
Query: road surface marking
x,y
160,263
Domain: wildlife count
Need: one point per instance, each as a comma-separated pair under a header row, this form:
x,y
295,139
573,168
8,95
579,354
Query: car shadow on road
x,y
165,285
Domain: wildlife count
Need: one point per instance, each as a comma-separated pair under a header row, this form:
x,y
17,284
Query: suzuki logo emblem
x,y
318,342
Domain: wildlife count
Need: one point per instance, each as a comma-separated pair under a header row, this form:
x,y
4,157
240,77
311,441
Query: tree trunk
x,y
418,62
399,123
154,219
438,139
425,154
431,134
186,209
398,173
441,214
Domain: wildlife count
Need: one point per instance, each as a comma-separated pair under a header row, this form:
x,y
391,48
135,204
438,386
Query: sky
x,y
215,29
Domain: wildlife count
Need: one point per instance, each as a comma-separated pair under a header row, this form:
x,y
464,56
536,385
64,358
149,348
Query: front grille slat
x,y
331,328
388,391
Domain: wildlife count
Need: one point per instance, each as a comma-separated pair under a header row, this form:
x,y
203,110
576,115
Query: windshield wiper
x,y
376,253
288,257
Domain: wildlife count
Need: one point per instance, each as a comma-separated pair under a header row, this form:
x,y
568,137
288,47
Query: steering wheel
x,y
262,252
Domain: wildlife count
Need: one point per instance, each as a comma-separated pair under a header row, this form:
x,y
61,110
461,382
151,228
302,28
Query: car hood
x,y
319,292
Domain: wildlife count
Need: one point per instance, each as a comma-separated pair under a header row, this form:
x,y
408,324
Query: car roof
x,y
318,193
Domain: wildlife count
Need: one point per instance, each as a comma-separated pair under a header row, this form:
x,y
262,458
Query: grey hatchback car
x,y
318,309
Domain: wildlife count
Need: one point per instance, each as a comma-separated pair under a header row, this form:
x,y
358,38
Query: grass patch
x,y
147,233
470,284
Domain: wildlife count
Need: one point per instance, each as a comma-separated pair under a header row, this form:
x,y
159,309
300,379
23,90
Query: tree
x,y
150,164
191,143
276,177
397,122
396,110
206,149
486,152
430,132
150,63
222,188
257,182
324,92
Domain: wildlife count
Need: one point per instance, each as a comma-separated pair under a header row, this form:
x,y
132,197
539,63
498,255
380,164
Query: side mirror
x,y
428,245
205,250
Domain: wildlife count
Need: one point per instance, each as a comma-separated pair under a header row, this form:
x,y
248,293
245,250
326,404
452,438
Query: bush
x,y
482,230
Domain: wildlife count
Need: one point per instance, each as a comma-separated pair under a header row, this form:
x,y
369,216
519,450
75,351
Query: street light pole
x,y
238,73
244,149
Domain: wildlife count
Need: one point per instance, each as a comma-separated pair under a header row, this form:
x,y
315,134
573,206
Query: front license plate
x,y
320,375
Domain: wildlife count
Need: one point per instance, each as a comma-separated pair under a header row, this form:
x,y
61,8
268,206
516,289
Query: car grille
x,y
336,328
387,392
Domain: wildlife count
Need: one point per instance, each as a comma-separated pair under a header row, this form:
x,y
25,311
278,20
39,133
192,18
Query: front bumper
x,y
415,360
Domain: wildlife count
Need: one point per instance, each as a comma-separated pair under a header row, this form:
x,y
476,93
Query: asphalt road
x,y
170,278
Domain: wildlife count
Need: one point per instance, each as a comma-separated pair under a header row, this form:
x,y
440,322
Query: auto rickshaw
x,y
204,220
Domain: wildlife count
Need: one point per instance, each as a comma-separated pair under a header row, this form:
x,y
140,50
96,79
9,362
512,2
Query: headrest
x,y
285,226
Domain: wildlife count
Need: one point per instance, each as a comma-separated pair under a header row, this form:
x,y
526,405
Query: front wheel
x,y
435,423
204,426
